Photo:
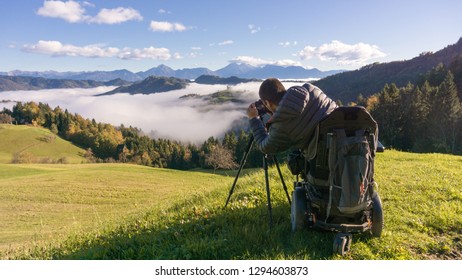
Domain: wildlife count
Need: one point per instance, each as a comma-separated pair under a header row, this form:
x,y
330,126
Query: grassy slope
x,y
33,140
41,202
421,194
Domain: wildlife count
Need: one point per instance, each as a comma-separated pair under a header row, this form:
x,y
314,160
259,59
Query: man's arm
x,y
271,143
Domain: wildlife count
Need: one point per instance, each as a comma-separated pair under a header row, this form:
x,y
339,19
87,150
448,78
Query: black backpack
x,y
347,142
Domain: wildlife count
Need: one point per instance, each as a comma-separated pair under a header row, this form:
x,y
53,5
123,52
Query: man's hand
x,y
252,111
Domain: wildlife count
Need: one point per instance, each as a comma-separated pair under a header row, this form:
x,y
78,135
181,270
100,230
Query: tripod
x,y
265,167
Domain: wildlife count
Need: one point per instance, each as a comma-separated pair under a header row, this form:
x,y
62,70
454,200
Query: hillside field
x,y
120,211
36,145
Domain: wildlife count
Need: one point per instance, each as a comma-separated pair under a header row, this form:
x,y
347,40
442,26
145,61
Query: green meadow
x,y
36,145
121,211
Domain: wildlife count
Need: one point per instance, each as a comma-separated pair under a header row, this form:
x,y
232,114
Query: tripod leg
x,y
268,196
243,160
282,179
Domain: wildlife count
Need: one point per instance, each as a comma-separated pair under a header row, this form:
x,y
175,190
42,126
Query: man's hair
x,y
272,90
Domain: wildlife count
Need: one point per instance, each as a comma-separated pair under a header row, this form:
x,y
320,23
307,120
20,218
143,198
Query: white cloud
x,y
56,48
261,62
165,113
70,11
224,43
250,60
73,12
342,53
165,26
253,29
287,62
227,42
89,4
195,52
117,15
288,44
145,53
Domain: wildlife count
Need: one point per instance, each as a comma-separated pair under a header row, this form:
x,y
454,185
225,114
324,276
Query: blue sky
x,y
38,35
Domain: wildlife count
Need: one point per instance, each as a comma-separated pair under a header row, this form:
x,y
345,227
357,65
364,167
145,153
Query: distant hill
x,y
215,80
220,97
10,83
150,85
38,145
371,79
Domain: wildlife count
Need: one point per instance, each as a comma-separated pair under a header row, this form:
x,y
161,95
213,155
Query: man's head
x,y
271,90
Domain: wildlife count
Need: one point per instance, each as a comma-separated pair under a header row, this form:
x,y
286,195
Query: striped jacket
x,y
294,122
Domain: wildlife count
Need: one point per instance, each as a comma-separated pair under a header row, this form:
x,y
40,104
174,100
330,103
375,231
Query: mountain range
x,y
240,70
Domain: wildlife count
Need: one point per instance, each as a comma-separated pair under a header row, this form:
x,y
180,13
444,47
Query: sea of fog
x,y
161,114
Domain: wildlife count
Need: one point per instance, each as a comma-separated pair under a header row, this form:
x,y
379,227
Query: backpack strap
x,y
332,139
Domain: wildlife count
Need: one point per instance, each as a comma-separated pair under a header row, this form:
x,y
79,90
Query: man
x,y
296,114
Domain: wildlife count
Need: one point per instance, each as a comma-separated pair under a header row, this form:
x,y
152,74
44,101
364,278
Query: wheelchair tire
x,y
298,210
377,216
342,243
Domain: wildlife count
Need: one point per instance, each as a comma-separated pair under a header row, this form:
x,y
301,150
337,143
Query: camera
x,y
261,108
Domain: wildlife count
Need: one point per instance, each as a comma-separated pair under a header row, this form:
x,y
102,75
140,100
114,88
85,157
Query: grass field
x,y
38,144
115,211
41,202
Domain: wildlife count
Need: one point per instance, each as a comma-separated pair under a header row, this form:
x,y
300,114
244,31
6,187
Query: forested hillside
x,y
372,78
423,117
151,84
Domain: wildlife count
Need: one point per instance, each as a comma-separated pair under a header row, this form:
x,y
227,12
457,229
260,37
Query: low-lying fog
x,y
162,114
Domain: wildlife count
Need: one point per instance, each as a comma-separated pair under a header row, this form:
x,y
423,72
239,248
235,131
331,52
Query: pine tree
x,y
230,142
447,109
456,70
422,108
387,114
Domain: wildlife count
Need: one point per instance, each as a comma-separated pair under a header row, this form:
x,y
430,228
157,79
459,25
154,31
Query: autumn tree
x,y
220,157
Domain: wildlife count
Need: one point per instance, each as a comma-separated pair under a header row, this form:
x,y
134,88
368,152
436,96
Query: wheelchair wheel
x,y
342,243
377,216
298,210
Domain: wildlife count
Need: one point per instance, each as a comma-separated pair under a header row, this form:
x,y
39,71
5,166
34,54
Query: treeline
x,y
107,143
426,117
